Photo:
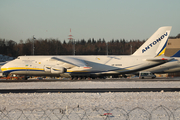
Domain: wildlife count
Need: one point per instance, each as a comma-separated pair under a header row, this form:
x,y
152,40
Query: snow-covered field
x,y
125,105
141,105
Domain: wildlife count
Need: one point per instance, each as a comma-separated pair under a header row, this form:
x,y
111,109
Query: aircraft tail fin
x,y
177,54
156,44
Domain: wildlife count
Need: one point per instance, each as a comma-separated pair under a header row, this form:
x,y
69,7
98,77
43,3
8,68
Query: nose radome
x,y
3,66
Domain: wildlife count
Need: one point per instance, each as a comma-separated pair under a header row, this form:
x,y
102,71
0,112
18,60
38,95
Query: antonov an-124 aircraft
x,y
150,54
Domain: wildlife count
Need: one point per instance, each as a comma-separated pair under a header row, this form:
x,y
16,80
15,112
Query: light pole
x,y
107,48
74,46
33,44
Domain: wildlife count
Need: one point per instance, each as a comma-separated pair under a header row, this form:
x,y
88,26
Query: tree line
x,y
81,47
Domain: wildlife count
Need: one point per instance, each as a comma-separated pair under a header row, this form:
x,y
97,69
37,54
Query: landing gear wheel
x,y
74,78
84,78
25,77
79,78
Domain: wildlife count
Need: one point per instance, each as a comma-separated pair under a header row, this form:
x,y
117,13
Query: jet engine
x,y
47,68
54,69
57,70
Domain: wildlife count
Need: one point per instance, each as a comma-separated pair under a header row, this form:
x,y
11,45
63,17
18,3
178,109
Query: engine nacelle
x,y
57,70
47,68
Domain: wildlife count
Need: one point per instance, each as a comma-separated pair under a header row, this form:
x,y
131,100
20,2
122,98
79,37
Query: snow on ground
x,y
127,101
158,105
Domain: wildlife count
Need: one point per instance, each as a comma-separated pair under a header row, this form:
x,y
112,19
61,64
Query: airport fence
x,y
77,113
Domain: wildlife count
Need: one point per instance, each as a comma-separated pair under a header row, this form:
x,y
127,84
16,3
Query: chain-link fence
x,y
77,113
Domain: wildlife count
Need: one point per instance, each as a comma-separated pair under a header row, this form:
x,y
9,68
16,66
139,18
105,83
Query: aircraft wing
x,y
70,62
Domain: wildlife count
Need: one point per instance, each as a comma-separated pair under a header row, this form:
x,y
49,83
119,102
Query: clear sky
x,y
108,19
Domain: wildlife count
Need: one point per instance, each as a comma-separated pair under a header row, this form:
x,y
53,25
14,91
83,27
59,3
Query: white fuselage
x,y
100,65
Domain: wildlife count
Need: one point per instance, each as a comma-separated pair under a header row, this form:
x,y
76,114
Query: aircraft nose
x,y
1,68
4,67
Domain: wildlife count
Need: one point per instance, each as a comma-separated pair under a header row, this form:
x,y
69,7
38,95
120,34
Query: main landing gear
x,y
85,78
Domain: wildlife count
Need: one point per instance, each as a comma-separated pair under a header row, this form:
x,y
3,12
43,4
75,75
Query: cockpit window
x,y
18,58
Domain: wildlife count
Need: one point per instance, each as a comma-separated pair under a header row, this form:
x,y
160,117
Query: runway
x,y
98,90
90,86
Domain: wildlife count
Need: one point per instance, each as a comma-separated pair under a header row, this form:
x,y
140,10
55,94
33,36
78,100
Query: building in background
x,y
173,46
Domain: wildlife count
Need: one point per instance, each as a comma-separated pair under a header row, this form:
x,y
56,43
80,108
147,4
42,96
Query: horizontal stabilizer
x,y
161,58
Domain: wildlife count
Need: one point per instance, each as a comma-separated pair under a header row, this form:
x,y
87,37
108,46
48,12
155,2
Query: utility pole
x,y
33,44
74,46
107,48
